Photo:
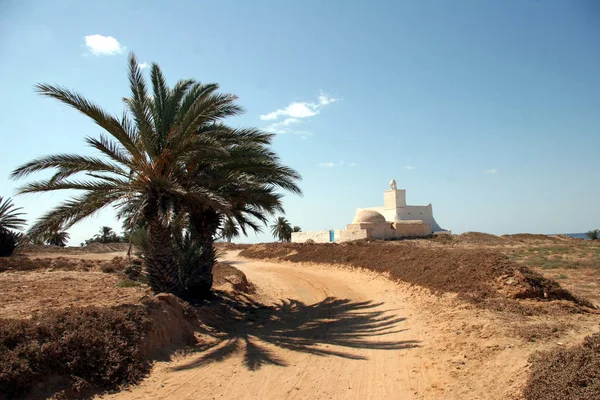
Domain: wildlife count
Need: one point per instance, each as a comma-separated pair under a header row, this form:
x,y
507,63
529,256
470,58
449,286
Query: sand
x,y
326,332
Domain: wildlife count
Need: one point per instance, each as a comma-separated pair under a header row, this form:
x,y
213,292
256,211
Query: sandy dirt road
x,y
314,333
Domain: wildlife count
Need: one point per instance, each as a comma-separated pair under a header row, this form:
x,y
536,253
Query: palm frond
x,y
93,111
10,217
50,185
67,164
111,150
72,211
139,106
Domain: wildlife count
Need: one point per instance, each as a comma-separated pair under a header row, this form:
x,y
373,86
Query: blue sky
x,y
489,110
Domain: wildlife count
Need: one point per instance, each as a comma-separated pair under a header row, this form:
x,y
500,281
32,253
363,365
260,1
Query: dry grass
x,y
572,373
576,263
85,347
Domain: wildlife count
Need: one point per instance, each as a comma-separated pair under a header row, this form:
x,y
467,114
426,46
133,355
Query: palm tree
x,y
10,221
106,235
281,229
296,229
168,157
10,217
57,238
594,234
229,230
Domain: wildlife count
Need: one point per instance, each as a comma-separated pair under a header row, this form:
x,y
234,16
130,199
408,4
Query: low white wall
x,y
346,236
424,213
415,229
317,236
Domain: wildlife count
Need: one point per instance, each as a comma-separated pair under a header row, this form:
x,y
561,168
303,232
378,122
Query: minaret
x,y
394,198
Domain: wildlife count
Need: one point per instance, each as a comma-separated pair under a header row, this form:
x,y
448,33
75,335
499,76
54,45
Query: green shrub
x,y
128,283
9,241
100,346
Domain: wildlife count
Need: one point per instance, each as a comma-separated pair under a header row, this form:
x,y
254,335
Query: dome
x,y
368,216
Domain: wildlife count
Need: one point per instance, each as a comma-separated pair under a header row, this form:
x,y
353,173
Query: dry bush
x,y
572,373
480,276
107,269
98,346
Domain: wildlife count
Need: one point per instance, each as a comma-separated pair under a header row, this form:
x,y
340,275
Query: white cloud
x,y
332,164
295,112
491,171
325,100
103,45
280,127
289,121
275,129
144,65
410,167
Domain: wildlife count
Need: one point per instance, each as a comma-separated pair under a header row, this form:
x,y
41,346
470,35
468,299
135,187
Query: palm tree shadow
x,y
240,324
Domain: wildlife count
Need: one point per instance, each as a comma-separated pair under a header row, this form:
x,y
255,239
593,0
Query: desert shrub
x,y
107,268
134,269
96,345
572,373
9,241
123,283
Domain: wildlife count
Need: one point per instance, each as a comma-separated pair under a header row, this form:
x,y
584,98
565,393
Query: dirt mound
x,y
105,247
23,263
567,237
572,373
172,327
531,238
470,238
481,238
91,248
231,246
481,276
72,351
227,277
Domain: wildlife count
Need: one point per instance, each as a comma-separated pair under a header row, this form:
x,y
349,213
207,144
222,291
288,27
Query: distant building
x,y
395,209
395,220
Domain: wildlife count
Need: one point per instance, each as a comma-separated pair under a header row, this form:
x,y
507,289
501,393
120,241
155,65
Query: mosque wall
x,y
317,236
394,220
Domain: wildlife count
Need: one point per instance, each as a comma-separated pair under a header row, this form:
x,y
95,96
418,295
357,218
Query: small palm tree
x,y
10,221
281,229
168,157
57,238
106,235
10,217
594,234
229,230
296,229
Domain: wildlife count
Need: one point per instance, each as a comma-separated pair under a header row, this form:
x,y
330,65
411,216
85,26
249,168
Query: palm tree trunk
x,y
160,262
161,266
198,280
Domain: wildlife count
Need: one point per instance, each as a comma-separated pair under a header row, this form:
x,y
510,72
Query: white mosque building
x,y
395,220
